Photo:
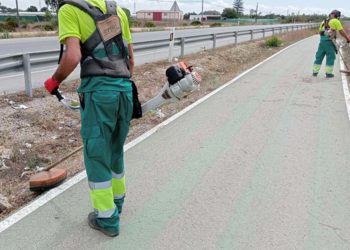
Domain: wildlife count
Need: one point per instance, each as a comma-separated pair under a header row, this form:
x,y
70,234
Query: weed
x,y
216,25
135,23
16,155
33,161
150,25
195,23
273,41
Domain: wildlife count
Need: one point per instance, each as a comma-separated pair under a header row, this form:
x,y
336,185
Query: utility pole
x,y
256,12
17,16
202,11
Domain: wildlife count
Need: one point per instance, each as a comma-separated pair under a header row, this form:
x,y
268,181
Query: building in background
x,y
161,15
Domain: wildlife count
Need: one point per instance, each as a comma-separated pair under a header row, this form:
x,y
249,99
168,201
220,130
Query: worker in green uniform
x,y
96,33
328,30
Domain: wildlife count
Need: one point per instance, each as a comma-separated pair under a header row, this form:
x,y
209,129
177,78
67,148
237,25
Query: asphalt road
x,y
10,83
263,164
26,45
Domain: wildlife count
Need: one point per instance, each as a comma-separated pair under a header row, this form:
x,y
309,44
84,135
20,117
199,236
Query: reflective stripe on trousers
x,y
316,68
101,193
118,185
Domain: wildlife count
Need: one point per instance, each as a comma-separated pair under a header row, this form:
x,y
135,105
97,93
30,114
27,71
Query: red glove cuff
x,y
51,84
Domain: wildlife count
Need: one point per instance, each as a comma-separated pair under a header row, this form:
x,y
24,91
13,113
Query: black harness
x,y
112,65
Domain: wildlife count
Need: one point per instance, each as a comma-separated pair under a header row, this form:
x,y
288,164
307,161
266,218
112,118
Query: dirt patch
x,y
35,137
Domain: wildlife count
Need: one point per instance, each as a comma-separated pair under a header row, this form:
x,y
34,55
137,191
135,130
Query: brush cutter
x,y
181,82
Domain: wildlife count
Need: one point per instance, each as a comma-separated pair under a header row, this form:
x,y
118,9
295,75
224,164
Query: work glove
x,y
51,85
348,39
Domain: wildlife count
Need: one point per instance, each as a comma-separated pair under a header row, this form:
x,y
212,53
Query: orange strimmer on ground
x,y
51,177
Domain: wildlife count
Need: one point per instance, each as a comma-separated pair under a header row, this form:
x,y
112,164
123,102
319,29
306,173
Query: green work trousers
x,y
105,119
325,48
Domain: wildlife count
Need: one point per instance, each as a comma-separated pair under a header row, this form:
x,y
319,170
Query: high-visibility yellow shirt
x,y
73,22
334,24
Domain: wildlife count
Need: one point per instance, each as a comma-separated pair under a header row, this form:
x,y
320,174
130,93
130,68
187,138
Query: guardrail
x,y
24,62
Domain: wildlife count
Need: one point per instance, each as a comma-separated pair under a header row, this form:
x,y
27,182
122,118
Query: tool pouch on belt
x,y
137,109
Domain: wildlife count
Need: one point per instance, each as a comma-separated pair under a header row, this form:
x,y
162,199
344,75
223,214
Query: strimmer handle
x,y
57,94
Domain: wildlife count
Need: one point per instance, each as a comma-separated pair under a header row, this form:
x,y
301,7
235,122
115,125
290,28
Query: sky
x,y
283,7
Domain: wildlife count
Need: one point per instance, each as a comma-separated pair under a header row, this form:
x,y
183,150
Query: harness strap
x,y
93,11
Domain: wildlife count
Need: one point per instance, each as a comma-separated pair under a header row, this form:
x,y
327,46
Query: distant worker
x,y
328,31
96,33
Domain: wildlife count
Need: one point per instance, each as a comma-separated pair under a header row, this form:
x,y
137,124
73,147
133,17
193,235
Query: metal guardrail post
x,y
214,41
182,46
273,31
281,30
27,75
236,37
263,31
251,35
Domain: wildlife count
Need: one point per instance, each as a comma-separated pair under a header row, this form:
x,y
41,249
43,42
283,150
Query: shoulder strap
x,y
111,7
93,11
326,23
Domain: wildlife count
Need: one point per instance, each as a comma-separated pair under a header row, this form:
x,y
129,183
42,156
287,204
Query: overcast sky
x,y
265,6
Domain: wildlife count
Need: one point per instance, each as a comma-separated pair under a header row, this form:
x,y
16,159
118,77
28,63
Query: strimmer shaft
x,y
174,92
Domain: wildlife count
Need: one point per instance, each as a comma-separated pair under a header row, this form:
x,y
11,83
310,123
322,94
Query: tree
x,y
53,4
32,9
3,8
44,9
238,6
187,15
211,12
229,13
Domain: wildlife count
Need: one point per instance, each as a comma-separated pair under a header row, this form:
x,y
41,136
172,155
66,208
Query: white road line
x,y
345,85
34,72
45,198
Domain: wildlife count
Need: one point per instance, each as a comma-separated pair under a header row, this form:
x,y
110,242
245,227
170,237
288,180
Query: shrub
x,y
150,25
48,16
196,23
274,41
47,27
135,23
25,24
216,25
11,22
3,27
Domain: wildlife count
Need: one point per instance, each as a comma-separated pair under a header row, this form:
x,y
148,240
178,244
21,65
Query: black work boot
x,y
92,220
314,74
329,75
